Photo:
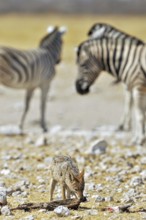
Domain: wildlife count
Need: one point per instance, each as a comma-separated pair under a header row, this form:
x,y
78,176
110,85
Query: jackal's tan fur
x,y
65,171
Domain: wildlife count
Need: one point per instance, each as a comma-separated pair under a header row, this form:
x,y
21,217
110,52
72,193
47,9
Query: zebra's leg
x,y
44,90
126,119
28,97
140,107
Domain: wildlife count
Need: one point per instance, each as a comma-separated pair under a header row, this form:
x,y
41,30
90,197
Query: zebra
x,y
122,60
99,30
31,69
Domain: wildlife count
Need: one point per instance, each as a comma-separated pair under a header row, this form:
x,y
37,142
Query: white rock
x,y
5,210
90,186
136,181
48,160
41,141
3,198
92,212
24,182
62,211
131,192
143,160
99,187
77,217
136,169
24,194
55,129
99,198
115,209
17,193
41,180
42,211
89,173
119,190
3,189
29,140
108,199
5,172
41,166
129,196
143,174
143,215
10,130
30,217
2,184
98,147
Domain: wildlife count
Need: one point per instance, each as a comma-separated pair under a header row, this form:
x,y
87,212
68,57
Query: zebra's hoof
x,y
21,128
139,141
120,128
123,128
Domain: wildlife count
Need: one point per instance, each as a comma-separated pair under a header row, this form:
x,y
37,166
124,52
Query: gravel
x,y
114,174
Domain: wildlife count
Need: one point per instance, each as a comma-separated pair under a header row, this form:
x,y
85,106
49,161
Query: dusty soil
x,y
103,106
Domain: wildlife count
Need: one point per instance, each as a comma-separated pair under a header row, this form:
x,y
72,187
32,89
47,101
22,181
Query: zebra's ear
x,y
63,29
50,29
97,33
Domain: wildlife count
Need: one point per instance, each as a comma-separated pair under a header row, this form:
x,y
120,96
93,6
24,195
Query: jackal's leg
x,y
63,191
52,188
68,192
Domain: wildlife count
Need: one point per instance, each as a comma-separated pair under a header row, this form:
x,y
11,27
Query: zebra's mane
x,y
112,28
48,38
88,42
85,44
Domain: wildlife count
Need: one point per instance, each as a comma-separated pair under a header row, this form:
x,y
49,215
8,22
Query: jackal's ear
x,y
82,173
72,177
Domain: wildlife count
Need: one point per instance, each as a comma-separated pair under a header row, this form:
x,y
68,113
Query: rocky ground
x,y
115,173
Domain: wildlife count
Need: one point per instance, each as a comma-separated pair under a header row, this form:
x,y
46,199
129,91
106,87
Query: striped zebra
x,y
31,69
100,30
122,60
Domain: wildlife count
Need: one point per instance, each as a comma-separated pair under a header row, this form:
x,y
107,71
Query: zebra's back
x,y
100,30
23,68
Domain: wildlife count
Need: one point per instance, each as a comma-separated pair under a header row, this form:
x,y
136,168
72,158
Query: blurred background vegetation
x,y
75,6
23,23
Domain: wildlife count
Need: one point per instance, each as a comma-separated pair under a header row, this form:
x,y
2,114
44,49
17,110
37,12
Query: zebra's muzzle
x,y
82,87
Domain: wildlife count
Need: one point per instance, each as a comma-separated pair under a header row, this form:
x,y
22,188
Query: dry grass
x,y
25,31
